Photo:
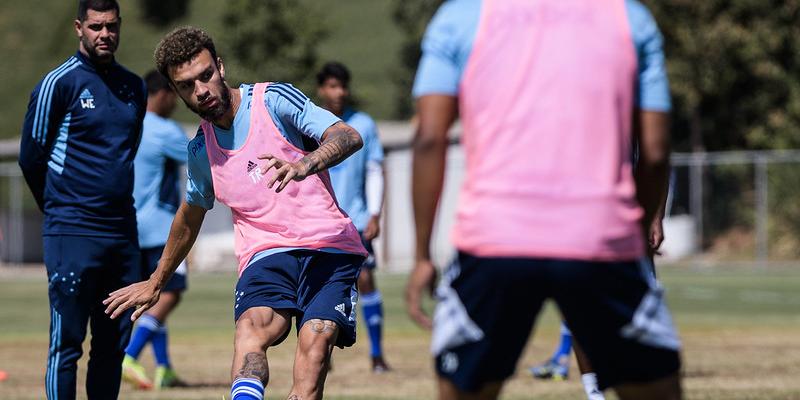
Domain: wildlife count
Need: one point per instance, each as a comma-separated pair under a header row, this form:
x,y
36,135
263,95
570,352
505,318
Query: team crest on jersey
x,y
254,172
87,99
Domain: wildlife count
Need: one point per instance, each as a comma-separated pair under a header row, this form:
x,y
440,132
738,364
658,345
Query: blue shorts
x,y
369,262
310,284
487,308
150,257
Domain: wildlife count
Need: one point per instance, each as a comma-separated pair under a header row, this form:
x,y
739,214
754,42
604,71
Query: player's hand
x,y
422,279
373,228
141,295
655,236
285,171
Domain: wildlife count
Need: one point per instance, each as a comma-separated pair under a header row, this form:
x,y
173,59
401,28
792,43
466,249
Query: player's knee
x,y
257,330
366,284
318,337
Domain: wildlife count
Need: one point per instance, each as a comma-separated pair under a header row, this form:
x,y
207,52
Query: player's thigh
x,y
262,327
485,314
267,283
617,313
366,281
328,292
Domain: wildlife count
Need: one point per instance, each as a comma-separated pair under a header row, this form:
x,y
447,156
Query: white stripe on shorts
x,y
452,325
652,323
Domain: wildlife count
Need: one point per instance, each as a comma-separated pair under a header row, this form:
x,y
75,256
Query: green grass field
x,y
741,331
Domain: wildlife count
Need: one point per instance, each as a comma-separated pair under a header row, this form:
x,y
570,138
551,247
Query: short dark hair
x,y
98,5
336,70
180,46
155,82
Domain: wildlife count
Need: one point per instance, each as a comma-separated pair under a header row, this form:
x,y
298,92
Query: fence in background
x,y
723,207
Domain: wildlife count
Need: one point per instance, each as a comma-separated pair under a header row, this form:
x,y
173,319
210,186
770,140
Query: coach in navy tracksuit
x,y
79,140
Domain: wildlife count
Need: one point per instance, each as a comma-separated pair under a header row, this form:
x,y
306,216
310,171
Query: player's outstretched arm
x,y
338,142
144,295
436,114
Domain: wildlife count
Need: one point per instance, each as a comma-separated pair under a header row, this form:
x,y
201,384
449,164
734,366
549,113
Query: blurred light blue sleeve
x,y
295,114
653,84
446,47
372,143
199,185
176,143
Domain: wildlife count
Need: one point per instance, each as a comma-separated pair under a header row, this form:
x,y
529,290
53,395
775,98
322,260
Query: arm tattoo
x,y
255,366
319,326
340,144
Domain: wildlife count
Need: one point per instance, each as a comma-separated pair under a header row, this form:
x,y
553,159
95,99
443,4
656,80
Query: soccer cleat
x,y
134,373
167,378
379,365
550,369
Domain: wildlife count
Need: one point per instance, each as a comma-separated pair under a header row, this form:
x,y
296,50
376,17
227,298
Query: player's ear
x,y
221,67
77,24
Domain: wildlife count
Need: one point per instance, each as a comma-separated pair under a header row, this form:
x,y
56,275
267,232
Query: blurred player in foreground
x,y
652,96
157,196
264,150
358,185
79,140
546,92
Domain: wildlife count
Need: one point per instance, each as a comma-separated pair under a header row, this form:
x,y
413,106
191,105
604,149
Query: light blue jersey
x,y
156,189
298,119
349,176
448,43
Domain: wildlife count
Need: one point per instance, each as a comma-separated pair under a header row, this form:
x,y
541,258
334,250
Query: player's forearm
x,y
339,142
182,235
427,180
652,170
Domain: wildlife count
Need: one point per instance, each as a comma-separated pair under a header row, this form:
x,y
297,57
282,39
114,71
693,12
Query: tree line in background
x,y
734,69
734,65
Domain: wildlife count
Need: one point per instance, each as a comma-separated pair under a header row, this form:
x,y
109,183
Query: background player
x,y
548,207
358,184
653,97
299,254
157,196
79,140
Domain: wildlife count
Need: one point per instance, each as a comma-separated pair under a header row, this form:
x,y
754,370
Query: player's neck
x,y
226,121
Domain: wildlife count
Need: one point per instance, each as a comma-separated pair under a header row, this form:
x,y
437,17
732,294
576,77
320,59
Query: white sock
x,y
590,386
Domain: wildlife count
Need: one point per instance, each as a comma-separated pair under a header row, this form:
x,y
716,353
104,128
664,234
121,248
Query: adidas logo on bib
x,y
253,172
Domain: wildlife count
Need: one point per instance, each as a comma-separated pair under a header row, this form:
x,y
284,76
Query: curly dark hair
x,y
180,46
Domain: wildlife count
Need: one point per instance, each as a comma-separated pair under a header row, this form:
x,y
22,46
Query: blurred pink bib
x,y
305,214
546,103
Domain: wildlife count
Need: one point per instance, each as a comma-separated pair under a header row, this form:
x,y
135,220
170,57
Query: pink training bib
x,y
305,214
546,102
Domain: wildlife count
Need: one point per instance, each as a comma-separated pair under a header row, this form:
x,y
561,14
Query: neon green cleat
x,y
167,378
134,373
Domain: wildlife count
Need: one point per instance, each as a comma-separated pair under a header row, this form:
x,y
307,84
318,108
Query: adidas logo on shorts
x,y
340,308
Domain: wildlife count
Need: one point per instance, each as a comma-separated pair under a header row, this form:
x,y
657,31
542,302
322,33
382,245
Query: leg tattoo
x,y
255,366
322,326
